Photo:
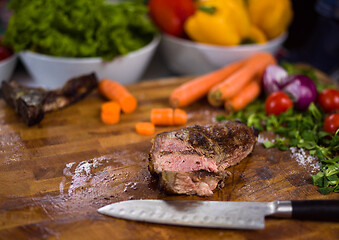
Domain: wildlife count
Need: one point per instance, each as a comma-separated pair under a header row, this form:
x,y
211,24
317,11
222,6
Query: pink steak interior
x,y
177,161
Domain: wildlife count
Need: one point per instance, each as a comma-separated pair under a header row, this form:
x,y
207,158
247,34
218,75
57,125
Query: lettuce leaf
x,y
79,28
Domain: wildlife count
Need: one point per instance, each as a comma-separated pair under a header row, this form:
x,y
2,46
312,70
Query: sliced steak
x,y
193,160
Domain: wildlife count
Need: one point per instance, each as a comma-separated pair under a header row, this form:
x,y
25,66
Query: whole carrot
x,y
198,87
115,91
110,112
244,97
145,128
253,67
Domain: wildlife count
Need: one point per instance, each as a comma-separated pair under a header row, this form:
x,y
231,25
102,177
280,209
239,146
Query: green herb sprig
x,y
298,129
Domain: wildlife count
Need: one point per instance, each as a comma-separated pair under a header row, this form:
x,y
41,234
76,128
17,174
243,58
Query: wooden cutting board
x,y
55,175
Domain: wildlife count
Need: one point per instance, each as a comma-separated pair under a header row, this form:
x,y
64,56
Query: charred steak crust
x,y
217,139
192,160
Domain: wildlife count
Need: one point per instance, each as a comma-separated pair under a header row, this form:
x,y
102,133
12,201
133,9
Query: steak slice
x,y
194,159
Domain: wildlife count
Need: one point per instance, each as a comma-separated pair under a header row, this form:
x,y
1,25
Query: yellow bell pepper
x,y
272,17
256,35
220,22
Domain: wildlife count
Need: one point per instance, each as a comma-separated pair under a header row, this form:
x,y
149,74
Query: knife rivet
x,y
252,221
121,210
142,213
241,220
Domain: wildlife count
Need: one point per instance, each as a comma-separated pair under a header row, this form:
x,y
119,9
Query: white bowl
x,y
53,72
7,67
187,57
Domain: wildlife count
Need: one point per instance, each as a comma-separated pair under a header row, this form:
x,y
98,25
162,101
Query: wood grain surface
x,y
55,175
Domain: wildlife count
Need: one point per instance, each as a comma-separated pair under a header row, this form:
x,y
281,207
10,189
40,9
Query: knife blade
x,y
220,214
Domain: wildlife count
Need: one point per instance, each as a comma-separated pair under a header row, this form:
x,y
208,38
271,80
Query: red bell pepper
x,y
170,15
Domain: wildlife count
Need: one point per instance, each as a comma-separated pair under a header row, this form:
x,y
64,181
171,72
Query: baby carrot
x,y
115,91
248,94
162,116
110,107
145,128
110,112
253,67
180,117
168,116
109,118
198,87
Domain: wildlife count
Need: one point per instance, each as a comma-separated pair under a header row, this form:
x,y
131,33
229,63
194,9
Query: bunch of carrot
x,y
233,86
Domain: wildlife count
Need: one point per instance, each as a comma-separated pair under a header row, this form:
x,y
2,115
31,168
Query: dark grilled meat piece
x,y
32,103
193,160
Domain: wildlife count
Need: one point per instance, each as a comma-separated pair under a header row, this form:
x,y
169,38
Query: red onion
x,y
274,78
302,91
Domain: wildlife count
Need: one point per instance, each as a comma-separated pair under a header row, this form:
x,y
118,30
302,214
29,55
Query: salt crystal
x,y
69,165
261,139
83,166
304,159
86,166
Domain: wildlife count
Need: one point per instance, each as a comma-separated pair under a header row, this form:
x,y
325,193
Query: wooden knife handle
x,y
319,210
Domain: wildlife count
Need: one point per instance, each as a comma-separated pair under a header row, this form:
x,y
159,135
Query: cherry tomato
x,y
331,123
328,99
277,102
170,15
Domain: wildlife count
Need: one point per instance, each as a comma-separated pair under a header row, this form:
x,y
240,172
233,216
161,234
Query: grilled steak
x,y
193,160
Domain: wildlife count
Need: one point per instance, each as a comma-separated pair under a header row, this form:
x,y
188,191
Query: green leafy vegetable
x,y
298,129
79,28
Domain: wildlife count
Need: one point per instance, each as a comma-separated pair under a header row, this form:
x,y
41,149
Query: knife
x,y
220,214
